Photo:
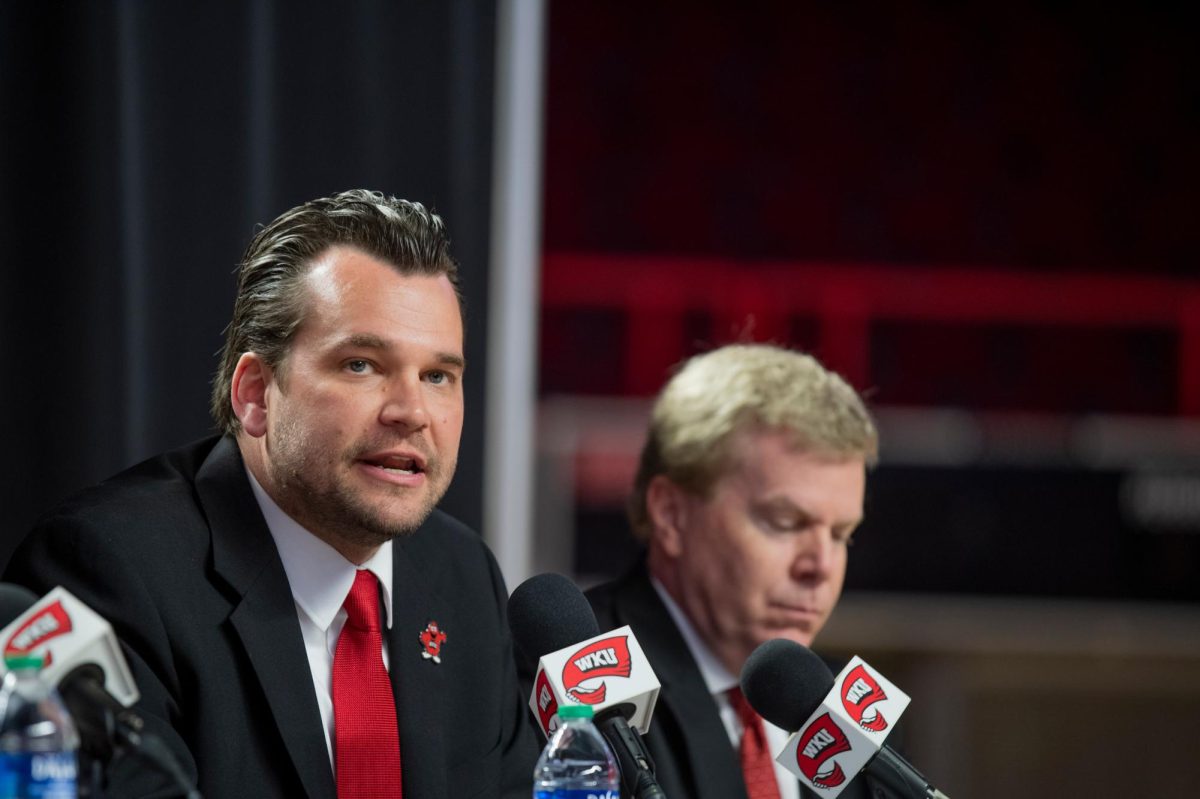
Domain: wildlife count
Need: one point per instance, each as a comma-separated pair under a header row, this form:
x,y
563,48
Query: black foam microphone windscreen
x,y
547,613
785,681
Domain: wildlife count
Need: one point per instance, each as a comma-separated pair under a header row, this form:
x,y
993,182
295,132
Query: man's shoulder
x,y
603,597
629,599
145,523
158,492
444,535
457,532
449,552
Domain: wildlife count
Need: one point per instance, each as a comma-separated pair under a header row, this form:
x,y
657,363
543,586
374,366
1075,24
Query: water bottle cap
x,y
24,661
575,712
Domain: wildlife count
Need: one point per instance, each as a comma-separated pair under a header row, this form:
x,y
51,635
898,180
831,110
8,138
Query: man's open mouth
x,y
396,464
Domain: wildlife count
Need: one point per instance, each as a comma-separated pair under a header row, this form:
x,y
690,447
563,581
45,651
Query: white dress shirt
x,y
320,579
718,680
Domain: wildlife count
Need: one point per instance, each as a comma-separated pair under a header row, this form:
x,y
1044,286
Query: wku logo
x,y
431,639
859,692
605,658
819,743
48,623
547,705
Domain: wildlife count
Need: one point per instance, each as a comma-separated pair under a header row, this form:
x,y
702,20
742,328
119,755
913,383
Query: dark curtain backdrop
x,y
140,144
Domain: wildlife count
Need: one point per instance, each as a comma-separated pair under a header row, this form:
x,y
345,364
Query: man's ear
x,y
667,507
248,394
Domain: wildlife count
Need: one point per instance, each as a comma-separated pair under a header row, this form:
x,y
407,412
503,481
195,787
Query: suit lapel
x,y
419,684
684,694
264,618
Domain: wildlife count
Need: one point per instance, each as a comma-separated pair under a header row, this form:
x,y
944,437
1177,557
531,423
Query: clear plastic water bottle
x,y
38,741
576,763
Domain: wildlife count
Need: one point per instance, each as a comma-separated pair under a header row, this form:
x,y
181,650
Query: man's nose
x,y
404,403
814,555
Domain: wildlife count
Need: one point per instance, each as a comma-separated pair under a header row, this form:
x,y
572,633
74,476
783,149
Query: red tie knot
x,y
362,603
746,714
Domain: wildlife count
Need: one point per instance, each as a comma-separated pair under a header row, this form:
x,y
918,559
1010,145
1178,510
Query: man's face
x,y
363,424
764,555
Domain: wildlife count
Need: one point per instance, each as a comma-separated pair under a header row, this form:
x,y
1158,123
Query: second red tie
x,y
366,740
758,768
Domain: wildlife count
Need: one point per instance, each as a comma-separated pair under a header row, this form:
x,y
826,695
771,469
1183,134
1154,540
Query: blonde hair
x,y
719,393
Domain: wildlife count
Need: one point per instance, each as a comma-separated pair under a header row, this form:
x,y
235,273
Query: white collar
x,y
716,677
318,574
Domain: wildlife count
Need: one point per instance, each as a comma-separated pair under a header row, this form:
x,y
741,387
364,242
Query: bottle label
x,y
576,793
37,775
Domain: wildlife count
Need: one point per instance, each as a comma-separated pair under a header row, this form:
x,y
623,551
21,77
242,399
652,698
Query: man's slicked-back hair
x,y
717,394
271,297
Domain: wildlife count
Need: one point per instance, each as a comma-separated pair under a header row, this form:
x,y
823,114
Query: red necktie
x,y
366,742
758,769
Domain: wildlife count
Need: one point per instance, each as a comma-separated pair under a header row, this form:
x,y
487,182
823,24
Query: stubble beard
x,y
316,490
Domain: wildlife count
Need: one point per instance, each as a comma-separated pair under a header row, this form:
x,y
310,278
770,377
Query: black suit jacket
x,y
176,555
692,754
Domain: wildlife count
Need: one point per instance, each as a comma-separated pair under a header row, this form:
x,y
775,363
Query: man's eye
x,y
781,524
358,366
437,378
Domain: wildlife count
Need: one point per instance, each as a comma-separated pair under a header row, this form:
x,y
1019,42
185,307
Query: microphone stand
x,y
897,777
106,729
637,767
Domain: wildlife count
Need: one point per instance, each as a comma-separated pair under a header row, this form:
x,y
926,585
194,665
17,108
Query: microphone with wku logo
x,y
842,724
607,671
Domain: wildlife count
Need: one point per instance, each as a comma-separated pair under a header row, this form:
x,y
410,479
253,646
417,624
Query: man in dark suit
x,y
749,488
299,618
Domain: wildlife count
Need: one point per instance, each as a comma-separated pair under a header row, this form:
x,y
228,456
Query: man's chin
x,y
383,528
395,522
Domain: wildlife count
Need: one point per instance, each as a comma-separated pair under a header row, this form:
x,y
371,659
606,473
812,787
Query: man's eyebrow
x,y
786,505
365,340
775,504
373,342
450,359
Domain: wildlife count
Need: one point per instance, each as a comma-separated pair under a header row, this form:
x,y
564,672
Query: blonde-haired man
x,y
749,489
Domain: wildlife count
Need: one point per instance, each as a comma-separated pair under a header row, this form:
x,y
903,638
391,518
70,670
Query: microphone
x,y
842,723
551,620
82,657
